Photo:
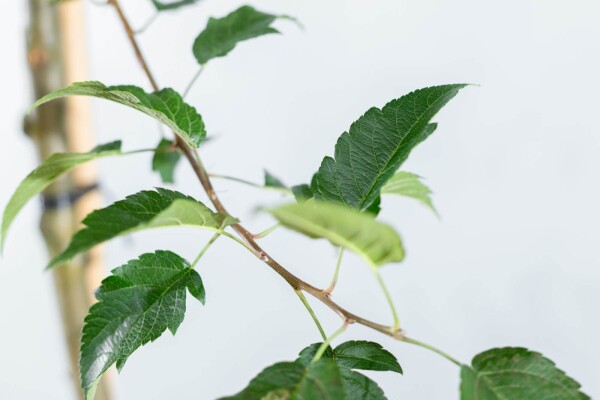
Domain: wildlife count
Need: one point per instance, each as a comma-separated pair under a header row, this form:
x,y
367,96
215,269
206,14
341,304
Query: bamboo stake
x,y
57,57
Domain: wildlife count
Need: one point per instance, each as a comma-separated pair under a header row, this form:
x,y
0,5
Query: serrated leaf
x,y
165,160
137,303
362,354
308,353
144,210
293,381
41,177
171,5
376,145
514,373
271,181
375,242
166,106
360,387
409,185
359,355
221,35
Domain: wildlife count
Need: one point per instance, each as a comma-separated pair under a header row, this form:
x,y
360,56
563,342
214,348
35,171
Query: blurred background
x,y
514,167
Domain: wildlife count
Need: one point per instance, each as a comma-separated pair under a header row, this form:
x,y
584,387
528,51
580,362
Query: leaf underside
x,y
376,145
144,210
165,160
409,185
515,373
166,106
221,35
137,303
41,177
375,242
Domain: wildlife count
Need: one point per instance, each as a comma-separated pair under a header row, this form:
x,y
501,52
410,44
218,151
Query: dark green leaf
x,y
143,210
375,242
273,182
514,373
39,179
165,160
137,303
308,353
376,145
361,354
409,185
223,34
302,192
171,5
166,106
293,381
359,387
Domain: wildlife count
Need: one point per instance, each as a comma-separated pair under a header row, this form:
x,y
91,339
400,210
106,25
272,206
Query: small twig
x,y
388,297
328,341
312,313
431,348
336,273
147,24
205,248
194,79
266,232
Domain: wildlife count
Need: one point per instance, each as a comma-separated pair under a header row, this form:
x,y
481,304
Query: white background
x,y
514,165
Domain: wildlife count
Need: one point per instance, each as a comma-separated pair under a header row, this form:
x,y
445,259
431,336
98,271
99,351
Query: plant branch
x,y
200,171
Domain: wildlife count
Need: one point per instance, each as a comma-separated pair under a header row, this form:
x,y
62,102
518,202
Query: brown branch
x,y
295,282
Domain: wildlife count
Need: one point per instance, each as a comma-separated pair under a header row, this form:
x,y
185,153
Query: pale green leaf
x,y
41,177
165,160
514,373
376,146
293,381
166,106
375,242
143,210
137,303
409,185
221,35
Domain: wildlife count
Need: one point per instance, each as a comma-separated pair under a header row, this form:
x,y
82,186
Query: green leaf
x,y
293,381
166,106
302,192
375,242
360,387
514,373
172,5
143,210
409,185
362,354
165,160
41,177
221,35
137,303
358,355
376,145
273,182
